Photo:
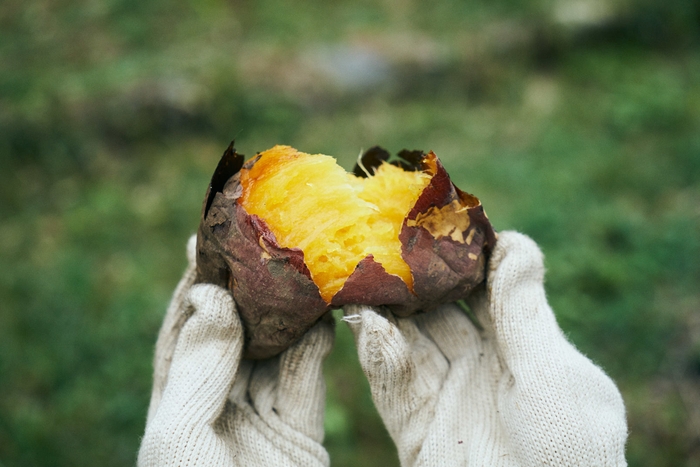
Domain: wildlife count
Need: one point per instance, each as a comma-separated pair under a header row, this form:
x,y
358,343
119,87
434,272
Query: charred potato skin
x,y
446,239
275,296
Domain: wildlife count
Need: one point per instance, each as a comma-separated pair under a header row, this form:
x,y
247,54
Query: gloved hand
x,y
515,393
209,407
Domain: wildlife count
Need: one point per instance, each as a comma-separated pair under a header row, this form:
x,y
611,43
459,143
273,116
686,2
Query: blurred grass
x,y
575,122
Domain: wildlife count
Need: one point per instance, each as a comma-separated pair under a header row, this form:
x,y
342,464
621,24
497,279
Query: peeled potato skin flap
x,y
445,239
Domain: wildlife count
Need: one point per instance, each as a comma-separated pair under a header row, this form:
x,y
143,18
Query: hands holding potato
x,y
515,393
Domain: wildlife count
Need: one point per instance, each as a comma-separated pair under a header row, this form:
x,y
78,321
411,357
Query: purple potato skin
x,y
446,240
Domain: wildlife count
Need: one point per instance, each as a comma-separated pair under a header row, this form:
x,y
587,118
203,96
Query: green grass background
x,y
583,133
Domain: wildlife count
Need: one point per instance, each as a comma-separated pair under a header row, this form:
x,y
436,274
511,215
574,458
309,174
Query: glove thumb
x,y
548,386
517,304
205,360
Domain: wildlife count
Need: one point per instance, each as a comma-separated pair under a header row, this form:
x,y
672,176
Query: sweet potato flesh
x,y
334,217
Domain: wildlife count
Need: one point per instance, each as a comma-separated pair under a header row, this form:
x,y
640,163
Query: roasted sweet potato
x,y
292,235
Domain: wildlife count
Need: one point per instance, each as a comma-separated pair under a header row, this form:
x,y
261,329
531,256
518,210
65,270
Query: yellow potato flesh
x,y
335,218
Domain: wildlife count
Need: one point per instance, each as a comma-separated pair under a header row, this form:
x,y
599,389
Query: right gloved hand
x,y
515,393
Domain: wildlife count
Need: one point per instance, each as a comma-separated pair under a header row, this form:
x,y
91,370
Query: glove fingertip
x,y
353,317
381,346
359,318
516,256
214,306
192,251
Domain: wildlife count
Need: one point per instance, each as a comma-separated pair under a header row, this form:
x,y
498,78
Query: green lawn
x,y
113,115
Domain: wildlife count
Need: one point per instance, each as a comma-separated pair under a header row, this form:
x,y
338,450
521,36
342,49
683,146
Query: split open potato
x,y
293,235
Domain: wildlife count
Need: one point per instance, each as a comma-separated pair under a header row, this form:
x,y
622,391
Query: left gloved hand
x,y
210,407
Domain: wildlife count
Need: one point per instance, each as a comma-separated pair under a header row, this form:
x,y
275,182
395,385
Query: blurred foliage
x,y
574,121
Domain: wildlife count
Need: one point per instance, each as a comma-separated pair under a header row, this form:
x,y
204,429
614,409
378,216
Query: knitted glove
x,y
515,393
210,407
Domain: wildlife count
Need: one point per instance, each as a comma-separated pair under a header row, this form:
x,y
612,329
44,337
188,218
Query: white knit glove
x,y
516,393
211,408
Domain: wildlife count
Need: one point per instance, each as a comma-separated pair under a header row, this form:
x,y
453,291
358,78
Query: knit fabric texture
x,y
210,407
513,392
